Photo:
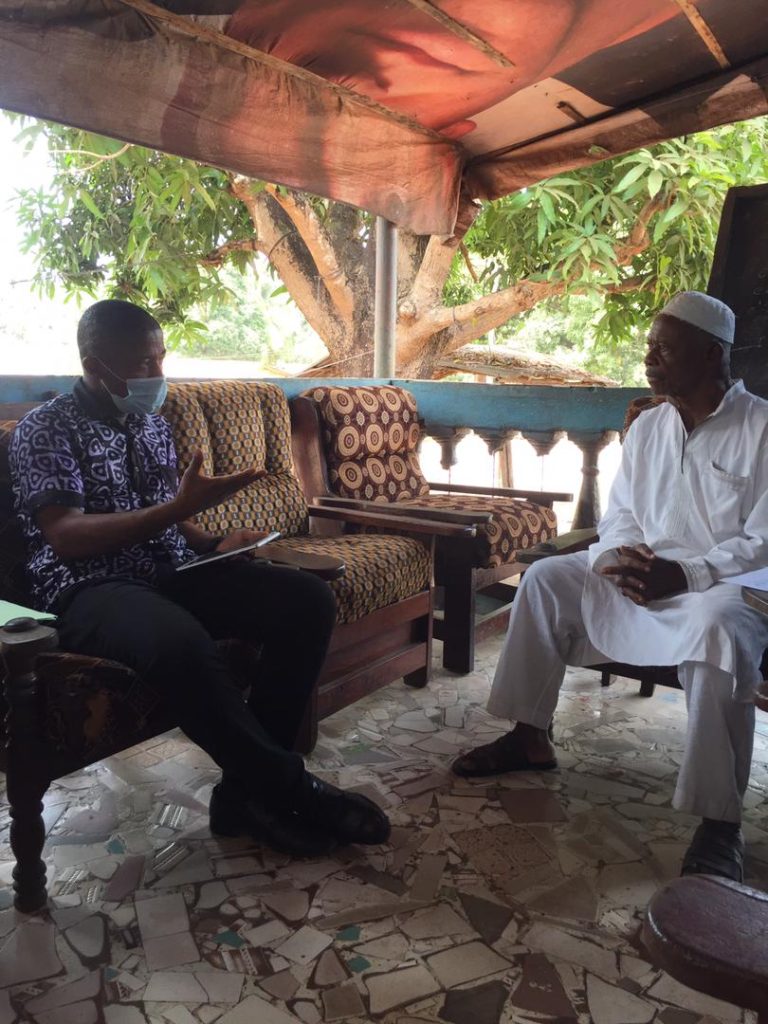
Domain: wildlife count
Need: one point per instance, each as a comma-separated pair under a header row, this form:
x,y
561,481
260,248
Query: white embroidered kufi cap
x,y
703,311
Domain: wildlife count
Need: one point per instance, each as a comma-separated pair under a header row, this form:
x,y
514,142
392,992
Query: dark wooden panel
x,y
348,689
740,278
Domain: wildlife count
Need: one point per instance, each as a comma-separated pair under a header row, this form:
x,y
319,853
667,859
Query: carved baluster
x,y
588,504
499,442
26,763
448,438
543,441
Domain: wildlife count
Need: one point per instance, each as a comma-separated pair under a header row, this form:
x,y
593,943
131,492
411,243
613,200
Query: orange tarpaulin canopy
x,y
406,108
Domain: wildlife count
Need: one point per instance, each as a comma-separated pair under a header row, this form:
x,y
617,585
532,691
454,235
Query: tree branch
x,y
221,254
432,274
285,251
447,328
320,246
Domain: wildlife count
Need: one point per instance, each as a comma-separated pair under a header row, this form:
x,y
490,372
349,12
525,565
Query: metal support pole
x,y
385,300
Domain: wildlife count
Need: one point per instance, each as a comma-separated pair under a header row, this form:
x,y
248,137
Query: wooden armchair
x,y
65,711
368,458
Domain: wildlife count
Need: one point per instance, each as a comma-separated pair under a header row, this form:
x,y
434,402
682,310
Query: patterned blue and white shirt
x,y
75,451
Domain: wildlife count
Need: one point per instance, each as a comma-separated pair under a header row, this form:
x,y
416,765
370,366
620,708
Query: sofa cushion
x,y
380,569
370,436
239,424
514,524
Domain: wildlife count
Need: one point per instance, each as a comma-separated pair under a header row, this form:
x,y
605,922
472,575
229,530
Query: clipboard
x,y
218,556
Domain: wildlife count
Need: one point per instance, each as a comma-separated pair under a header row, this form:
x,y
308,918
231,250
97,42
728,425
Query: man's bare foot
x,y
524,749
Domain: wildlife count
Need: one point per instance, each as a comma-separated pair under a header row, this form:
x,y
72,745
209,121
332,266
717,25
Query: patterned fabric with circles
x,y
238,424
370,436
638,405
381,569
515,524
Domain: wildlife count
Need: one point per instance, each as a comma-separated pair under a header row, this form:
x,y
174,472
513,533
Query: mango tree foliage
x,y
121,220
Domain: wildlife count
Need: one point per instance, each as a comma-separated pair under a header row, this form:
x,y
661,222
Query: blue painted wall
x,y
441,403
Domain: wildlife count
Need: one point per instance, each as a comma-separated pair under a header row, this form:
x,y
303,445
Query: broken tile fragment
x,y
342,1002
479,1005
282,985
29,954
435,922
87,937
399,988
75,1013
170,951
488,919
574,899
329,970
609,1003
540,989
429,873
84,988
531,805
305,945
469,962
125,880
292,905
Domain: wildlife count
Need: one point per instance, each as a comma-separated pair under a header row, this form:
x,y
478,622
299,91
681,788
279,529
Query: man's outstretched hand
x,y
644,577
198,492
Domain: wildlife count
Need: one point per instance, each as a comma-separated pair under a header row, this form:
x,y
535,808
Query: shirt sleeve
x,y
44,469
618,526
743,553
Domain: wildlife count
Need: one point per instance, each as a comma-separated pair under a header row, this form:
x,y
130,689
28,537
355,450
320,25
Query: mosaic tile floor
x,y
516,900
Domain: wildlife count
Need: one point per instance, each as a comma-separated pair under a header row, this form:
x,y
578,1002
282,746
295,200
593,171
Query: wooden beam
x,y
460,30
704,32
204,34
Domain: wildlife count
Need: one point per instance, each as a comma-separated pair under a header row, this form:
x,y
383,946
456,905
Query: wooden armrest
x,y
709,933
408,524
565,544
393,508
325,566
540,497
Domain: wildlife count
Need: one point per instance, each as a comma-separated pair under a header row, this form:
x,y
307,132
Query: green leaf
x,y
655,181
630,177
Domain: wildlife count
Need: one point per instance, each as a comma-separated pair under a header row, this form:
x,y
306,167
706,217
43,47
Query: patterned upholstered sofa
x,y
371,437
74,710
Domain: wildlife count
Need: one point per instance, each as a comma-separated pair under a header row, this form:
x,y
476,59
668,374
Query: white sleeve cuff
x,y
697,574
609,557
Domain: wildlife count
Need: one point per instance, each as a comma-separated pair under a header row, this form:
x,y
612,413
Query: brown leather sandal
x,y
497,758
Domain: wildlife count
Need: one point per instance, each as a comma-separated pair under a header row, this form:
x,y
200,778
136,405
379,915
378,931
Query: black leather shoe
x,y
350,817
285,831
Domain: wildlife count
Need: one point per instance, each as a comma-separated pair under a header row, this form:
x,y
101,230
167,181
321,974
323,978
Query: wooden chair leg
x,y
459,610
421,632
647,686
27,771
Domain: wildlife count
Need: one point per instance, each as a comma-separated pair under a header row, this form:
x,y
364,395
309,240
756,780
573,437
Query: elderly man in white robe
x,y
688,509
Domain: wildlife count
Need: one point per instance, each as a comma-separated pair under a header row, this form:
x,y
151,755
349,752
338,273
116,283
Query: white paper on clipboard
x,y
757,579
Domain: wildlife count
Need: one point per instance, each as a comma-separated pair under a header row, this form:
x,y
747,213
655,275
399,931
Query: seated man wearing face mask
x,y
107,523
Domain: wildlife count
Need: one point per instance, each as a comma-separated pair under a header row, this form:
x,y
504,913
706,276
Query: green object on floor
x,y
358,964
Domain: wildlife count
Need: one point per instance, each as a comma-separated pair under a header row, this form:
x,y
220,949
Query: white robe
x,y
700,499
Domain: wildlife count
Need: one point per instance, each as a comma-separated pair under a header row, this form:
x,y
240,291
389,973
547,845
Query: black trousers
x,y
167,634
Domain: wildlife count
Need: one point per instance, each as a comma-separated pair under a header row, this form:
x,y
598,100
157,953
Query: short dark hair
x,y
112,321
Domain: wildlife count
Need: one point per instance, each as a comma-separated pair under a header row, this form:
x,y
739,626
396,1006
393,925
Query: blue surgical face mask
x,y
145,395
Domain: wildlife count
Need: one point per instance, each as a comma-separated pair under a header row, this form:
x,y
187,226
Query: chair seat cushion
x,y
380,569
514,525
